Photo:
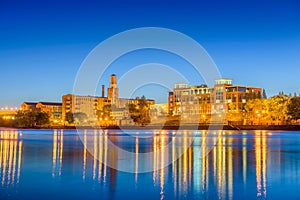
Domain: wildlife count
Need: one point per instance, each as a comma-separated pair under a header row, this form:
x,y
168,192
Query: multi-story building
x,y
50,107
79,104
190,101
200,103
91,104
67,105
28,106
53,109
159,110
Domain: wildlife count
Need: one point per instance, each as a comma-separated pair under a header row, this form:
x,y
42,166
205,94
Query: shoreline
x,y
183,127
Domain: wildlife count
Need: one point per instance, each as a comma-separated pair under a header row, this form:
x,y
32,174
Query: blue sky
x,y
43,43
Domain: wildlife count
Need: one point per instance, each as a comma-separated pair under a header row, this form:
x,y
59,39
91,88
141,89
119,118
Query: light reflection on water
x,y
10,157
252,165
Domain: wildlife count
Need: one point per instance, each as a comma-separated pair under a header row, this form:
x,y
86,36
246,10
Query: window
x,y
242,89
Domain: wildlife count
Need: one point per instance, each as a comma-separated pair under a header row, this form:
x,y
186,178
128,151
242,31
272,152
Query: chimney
x,y
103,90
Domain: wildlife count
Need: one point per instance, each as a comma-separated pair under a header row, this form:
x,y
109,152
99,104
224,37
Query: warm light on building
x,y
223,98
91,105
53,109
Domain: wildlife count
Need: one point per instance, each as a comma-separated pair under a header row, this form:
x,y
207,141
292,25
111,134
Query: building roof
x,y
51,103
224,79
31,103
246,86
132,99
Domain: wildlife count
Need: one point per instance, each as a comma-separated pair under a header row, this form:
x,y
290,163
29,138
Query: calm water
x,y
53,164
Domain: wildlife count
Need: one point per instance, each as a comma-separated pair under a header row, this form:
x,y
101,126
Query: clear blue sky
x,y
43,43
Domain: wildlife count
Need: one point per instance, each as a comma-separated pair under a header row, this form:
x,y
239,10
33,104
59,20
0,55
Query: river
x,y
54,164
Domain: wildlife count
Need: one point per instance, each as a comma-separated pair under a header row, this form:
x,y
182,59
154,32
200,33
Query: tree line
x,y
31,119
281,107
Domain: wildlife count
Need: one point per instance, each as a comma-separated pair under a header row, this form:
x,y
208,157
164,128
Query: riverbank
x,y
183,127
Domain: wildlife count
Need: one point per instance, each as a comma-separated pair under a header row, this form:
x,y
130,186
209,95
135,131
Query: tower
x,y
113,81
113,91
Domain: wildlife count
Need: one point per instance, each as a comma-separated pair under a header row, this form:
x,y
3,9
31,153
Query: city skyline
x,y
152,99
254,43
104,94
101,93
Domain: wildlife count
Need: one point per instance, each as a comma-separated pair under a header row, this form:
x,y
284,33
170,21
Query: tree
x,y
42,118
293,108
140,112
277,107
79,117
69,117
256,109
264,94
31,119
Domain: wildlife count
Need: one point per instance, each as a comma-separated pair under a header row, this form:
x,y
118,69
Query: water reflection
x,y
261,163
100,152
10,157
57,155
237,166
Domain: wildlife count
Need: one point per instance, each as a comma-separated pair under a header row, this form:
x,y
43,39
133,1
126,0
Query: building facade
x,y
159,110
201,103
190,101
91,105
113,91
28,106
53,109
79,104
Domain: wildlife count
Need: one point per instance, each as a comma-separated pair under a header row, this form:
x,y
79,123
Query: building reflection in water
x,y
136,158
98,141
181,169
159,143
261,163
200,168
10,157
225,160
98,153
57,153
